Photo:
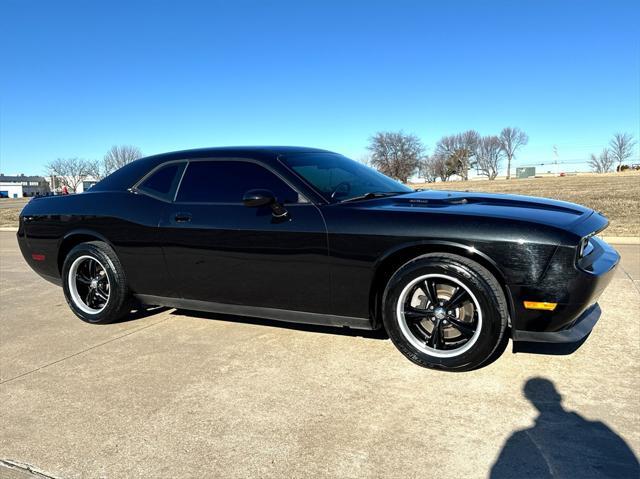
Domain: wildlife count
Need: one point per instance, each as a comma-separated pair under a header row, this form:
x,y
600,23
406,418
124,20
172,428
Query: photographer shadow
x,y
563,444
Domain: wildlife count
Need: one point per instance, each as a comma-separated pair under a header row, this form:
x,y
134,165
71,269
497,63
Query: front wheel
x,y
444,311
94,283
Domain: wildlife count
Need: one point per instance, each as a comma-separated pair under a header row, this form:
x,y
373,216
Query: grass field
x,y
9,217
10,210
617,195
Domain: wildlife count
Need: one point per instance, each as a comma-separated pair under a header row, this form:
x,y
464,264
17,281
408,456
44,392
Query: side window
x,y
164,181
228,181
327,179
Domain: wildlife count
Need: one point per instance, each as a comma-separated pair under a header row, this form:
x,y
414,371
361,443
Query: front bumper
x,y
574,286
580,329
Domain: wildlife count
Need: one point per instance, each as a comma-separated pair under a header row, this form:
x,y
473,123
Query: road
x,y
179,394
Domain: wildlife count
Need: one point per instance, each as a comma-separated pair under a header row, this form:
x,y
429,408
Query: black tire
x,y
118,302
484,301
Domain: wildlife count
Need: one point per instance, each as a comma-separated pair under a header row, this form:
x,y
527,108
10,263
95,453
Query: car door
x,y
219,250
131,224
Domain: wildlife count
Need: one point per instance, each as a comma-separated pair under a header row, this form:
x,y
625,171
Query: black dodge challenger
x,y
309,236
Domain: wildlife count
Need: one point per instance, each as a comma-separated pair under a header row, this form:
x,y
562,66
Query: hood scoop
x,y
440,200
435,202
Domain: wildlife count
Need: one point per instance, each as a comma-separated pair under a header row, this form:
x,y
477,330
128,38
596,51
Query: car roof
x,y
263,152
126,176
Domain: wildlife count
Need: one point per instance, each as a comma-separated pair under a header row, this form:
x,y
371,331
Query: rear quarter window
x,y
164,181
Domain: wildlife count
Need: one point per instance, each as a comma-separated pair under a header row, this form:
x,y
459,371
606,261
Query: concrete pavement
x,y
177,394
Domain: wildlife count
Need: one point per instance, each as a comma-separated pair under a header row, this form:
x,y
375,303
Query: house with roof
x,y
22,185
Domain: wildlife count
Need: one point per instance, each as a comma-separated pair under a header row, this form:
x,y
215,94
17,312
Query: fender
x,y
79,232
468,251
436,245
83,232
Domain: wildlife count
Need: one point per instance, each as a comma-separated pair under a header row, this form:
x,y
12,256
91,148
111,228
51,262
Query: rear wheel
x,y
444,311
94,283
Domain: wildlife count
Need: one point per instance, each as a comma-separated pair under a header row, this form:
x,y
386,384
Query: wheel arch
x,y
73,238
394,258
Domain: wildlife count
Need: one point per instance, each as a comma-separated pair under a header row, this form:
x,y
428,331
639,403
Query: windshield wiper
x,y
374,194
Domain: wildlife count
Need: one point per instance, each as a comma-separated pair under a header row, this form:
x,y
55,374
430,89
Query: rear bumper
x,y
47,266
581,329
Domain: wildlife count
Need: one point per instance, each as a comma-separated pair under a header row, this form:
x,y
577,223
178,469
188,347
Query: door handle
x,y
182,217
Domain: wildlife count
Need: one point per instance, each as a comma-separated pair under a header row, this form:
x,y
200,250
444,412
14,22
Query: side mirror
x,y
255,198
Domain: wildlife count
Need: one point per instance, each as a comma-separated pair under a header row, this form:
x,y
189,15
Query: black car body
x,y
308,253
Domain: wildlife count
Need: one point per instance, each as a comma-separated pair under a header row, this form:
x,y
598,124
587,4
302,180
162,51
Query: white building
x,y
85,184
56,183
20,186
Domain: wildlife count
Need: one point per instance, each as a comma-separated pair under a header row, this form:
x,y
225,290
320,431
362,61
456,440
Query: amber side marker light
x,y
540,305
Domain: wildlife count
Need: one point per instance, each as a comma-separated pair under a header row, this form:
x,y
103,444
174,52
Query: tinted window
x,y
339,178
228,181
164,181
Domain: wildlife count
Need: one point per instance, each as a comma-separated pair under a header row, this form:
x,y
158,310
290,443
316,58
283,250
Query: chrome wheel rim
x,y
89,284
439,315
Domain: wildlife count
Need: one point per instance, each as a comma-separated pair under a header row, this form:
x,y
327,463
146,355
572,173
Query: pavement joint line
x,y
129,333
22,467
633,281
548,462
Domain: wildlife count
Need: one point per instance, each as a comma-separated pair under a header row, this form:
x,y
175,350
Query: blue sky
x,y
79,76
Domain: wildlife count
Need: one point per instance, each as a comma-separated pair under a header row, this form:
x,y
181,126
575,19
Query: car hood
x,y
553,213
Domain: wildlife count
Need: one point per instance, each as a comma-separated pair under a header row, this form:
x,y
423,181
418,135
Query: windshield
x,y
338,178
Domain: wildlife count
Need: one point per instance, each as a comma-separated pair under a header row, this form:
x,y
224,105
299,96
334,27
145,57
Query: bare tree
x,y
446,146
118,156
606,160
468,142
458,151
427,169
365,160
489,156
70,171
94,170
395,154
622,147
603,163
441,167
512,139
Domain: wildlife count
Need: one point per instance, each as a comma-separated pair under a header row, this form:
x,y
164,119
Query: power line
x,y
571,162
